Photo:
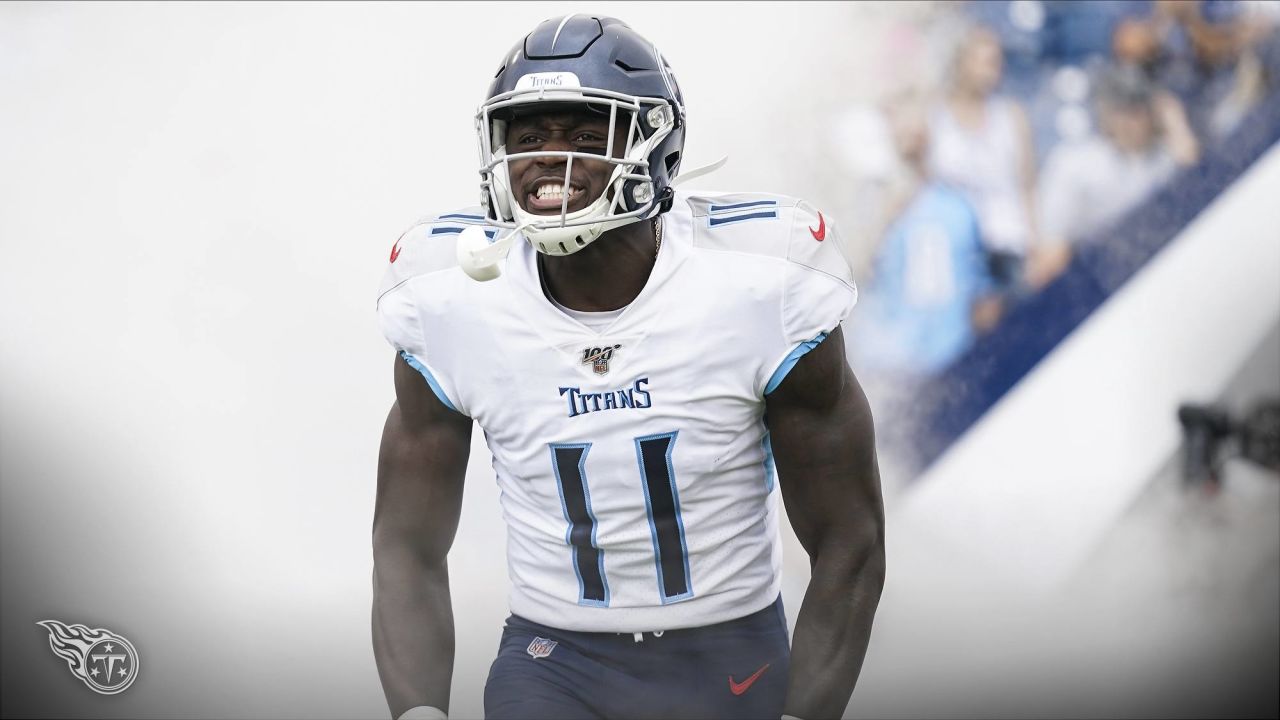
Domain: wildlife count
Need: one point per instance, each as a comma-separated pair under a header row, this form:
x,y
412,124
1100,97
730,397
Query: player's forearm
x,y
834,626
413,638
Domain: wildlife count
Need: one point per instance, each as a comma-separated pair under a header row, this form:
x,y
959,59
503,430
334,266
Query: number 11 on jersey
x,y
662,502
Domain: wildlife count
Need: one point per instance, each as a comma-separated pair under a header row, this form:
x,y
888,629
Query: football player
x,y
654,371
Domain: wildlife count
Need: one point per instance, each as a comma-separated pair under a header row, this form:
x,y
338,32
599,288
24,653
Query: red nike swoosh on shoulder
x,y
739,688
395,251
821,233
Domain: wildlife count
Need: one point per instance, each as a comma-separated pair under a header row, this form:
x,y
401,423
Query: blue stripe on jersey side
x,y
770,469
757,203
714,221
460,216
653,528
431,380
790,361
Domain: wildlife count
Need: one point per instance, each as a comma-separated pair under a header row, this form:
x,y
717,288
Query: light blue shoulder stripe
x,y
801,350
431,380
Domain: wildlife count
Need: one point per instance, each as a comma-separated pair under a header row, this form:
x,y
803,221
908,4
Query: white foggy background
x,y
196,202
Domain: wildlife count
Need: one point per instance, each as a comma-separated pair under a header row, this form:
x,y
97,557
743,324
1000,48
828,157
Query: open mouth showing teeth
x,y
549,196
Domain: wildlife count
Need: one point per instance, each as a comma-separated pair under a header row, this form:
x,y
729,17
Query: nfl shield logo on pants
x,y
541,647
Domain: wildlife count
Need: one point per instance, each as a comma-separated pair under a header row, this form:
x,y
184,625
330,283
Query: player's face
x,y
538,183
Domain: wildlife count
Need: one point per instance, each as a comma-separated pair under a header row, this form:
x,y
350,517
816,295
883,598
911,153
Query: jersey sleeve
x,y
818,291
419,266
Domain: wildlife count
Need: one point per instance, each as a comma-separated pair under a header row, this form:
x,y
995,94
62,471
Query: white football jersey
x,y
634,463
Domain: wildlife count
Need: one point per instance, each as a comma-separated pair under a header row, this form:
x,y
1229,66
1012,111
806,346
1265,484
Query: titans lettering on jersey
x,y
580,403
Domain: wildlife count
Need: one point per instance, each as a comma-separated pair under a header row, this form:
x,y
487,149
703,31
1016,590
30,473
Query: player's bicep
x,y
823,442
814,384
421,466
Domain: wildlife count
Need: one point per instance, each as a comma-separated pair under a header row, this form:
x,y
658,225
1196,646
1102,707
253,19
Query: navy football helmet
x,y
604,65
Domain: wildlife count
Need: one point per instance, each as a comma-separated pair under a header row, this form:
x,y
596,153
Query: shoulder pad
x,y
772,225
429,246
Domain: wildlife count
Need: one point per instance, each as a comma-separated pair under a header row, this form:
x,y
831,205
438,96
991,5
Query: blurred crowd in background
x,y
1043,124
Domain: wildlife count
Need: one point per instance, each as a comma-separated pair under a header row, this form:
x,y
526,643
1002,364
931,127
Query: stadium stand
x,y
1213,71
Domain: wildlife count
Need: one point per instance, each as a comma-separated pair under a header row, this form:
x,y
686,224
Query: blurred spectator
x,y
980,144
931,285
1086,185
1253,36
1139,54
1019,26
1213,58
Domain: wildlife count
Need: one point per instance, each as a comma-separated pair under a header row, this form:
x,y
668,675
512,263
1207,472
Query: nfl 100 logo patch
x,y
599,357
541,647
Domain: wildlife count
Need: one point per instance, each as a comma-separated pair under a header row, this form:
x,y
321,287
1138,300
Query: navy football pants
x,y
735,669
